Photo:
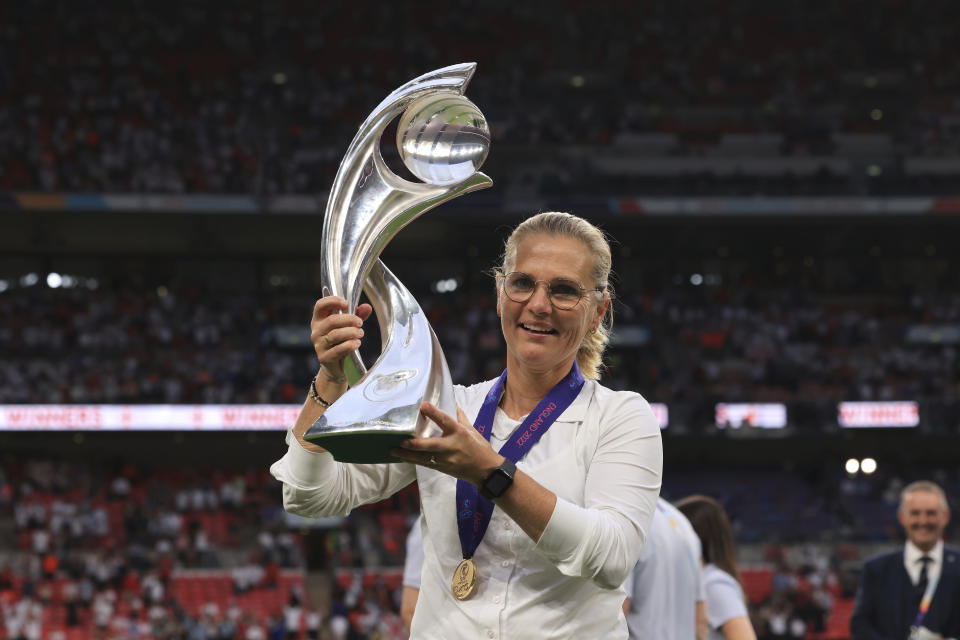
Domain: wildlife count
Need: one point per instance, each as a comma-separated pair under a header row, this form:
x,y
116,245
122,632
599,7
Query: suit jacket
x,y
887,600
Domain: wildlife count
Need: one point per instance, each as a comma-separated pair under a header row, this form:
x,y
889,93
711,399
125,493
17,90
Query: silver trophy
x,y
443,139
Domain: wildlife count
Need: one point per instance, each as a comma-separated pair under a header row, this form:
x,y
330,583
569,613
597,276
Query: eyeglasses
x,y
563,293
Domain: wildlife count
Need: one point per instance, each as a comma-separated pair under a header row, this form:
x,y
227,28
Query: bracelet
x,y
316,396
326,374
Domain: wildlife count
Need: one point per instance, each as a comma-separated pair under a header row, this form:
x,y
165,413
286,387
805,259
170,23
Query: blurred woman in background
x,y
726,603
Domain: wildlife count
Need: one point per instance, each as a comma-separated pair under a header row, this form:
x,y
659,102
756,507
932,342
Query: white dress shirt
x,y
603,459
911,561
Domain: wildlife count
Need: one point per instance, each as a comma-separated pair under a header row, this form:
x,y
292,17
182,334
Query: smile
x,y
543,332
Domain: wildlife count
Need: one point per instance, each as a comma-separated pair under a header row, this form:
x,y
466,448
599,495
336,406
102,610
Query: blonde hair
x,y
590,352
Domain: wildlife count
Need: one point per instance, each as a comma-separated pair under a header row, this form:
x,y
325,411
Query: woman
x,y
570,520
726,604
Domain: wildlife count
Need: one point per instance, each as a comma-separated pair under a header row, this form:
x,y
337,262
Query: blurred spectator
x,y
180,103
744,343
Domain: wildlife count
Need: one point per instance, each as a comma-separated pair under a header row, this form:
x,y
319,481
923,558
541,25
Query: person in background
x,y
913,592
726,604
665,591
412,566
569,470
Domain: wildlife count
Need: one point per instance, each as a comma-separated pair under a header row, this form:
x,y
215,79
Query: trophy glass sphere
x,y
443,138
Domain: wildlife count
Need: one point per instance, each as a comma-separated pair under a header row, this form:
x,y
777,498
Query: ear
x,y
901,519
601,312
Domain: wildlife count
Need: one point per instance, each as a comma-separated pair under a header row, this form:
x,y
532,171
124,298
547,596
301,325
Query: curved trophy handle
x,y
383,408
369,204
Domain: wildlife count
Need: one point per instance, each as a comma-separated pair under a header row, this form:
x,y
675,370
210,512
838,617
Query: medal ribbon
x,y
925,602
473,511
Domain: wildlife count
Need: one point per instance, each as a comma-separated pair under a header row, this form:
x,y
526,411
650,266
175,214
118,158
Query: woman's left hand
x,y
460,452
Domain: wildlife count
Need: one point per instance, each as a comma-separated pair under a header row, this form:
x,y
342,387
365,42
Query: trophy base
x,y
362,448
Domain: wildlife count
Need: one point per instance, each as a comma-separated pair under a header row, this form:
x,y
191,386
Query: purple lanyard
x,y
474,512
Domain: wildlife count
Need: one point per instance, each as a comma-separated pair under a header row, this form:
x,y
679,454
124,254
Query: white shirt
x,y
603,459
667,582
911,561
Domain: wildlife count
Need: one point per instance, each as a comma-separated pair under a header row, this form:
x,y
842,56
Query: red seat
x,y
757,583
838,624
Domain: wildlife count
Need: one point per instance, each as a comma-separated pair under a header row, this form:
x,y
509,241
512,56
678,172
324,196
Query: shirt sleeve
x,y
602,539
700,584
701,588
724,602
413,563
315,485
630,582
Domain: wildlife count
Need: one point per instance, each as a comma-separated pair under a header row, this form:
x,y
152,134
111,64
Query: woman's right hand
x,y
335,333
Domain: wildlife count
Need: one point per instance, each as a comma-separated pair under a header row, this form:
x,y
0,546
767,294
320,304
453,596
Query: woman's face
x,y
541,338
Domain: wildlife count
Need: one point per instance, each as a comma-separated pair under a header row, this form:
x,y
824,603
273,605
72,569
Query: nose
x,y
540,299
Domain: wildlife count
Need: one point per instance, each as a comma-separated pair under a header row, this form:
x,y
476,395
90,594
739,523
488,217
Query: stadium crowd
x,y
263,97
697,346
95,549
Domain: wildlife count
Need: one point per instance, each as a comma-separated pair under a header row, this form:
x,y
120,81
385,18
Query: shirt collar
x,y
912,554
577,411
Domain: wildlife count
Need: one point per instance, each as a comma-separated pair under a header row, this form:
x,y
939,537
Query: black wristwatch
x,y
498,480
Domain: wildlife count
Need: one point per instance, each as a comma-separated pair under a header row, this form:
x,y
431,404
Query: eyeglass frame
x,y
582,289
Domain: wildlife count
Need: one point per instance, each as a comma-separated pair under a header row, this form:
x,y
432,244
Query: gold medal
x,y
464,579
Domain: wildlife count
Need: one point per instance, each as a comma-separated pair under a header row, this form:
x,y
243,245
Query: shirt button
x,y
496,599
505,563
490,633
506,525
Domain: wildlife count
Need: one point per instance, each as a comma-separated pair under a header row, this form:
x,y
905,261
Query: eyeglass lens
x,y
564,294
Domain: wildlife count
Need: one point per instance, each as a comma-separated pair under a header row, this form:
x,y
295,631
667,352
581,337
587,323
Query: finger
x,y
341,327
328,305
364,311
446,422
333,337
336,350
335,321
423,445
423,458
326,335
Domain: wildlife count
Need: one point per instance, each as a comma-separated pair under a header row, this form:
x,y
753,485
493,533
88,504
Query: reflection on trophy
x,y
443,139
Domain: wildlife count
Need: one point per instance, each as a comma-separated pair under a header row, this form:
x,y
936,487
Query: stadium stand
x,y
262,98
604,108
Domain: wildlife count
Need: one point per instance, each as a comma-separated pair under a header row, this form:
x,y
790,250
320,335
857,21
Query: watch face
x,y
498,482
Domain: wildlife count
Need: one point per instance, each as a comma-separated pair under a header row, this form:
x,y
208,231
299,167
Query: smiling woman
x,y
537,497
579,253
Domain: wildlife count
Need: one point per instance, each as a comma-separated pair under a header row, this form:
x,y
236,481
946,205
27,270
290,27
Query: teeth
x,y
543,331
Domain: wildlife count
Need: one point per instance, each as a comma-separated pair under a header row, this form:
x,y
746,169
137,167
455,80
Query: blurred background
x,y
781,182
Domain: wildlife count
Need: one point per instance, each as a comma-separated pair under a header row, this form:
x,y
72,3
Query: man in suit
x,y
893,586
